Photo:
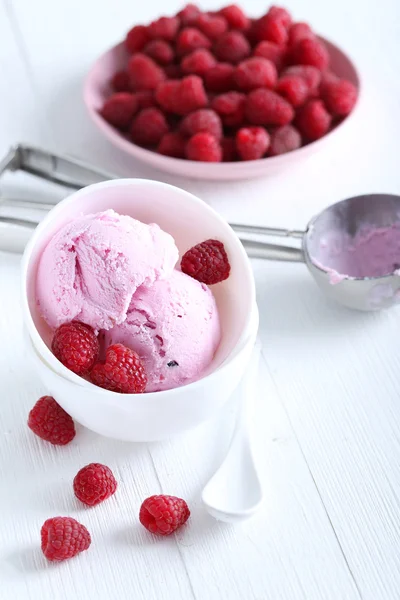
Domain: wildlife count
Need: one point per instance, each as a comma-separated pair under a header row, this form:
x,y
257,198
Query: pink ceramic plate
x,y
97,89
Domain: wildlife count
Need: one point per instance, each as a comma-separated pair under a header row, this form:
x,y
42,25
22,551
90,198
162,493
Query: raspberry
x,y
182,97
272,30
284,139
277,13
145,99
163,514
148,127
137,38
293,88
235,17
271,51
264,107
252,142
311,51
299,31
121,82
340,97
172,144
190,39
228,149
254,73
119,109
198,62
230,107
207,262
76,346
204,147
211,25
50,422
327,77
160,51
165,28
205,120
144,73
189,14
94,483
219,78
173,71
232,47
314,120
310,74
63,537
122,371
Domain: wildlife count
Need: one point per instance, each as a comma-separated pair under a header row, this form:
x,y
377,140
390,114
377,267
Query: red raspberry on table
x,y
293,88
232,47
228,145
63,537
121,82
211,25
284,139
182,97
160,51
230,107
119,109
198,62
144,73
137,38
203,119
122,371
313,120
235,17
145,99
299,31
220,78
189,14
148,127
278,13
252,142
271,51
310,74
50,422
311,51
173,71
76,346
255,72
172,144
163,514
339,97
207,262
265,107
164,28
271,30
190,39
94,484
204,147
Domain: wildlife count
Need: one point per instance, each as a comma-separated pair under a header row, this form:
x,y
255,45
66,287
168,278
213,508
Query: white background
x,y
328,414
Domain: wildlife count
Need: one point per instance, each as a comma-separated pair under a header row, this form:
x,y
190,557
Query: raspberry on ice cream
x,y
92,266
122,371
76,346
207,262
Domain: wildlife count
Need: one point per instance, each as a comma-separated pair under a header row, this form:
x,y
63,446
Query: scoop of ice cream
x,y
174,327
92,266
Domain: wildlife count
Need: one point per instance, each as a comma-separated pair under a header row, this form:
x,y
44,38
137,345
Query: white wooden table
x,y
328,414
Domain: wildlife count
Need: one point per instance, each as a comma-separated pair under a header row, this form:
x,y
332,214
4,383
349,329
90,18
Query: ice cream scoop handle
x,y
272,251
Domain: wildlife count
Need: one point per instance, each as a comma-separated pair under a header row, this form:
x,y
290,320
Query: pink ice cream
x,y
91,268
174,327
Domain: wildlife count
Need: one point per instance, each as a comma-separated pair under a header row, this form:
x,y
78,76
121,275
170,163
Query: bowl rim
x,y
133,149
114,183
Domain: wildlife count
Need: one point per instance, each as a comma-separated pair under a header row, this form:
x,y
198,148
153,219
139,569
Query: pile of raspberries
x,y
220,86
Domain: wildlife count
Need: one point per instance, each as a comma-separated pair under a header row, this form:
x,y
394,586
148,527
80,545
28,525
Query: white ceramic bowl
x,y
156,415
97,90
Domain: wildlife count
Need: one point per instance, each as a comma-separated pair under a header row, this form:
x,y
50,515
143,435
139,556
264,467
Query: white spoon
x,y
234,492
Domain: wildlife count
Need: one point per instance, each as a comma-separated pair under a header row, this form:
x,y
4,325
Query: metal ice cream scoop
x,y
323,242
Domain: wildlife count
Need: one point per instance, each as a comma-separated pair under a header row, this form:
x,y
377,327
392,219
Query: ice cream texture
x,y
174,327
92,266
117,274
